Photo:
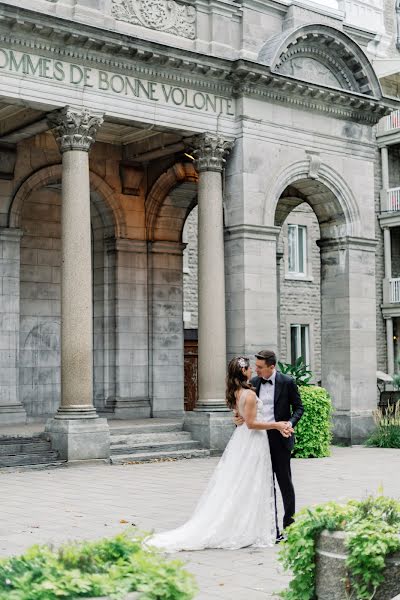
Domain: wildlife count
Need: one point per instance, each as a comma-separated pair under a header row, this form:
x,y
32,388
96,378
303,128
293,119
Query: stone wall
x,y
381,350
190,295
39,372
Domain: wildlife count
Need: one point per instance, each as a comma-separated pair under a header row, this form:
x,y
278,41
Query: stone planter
x,y
331,570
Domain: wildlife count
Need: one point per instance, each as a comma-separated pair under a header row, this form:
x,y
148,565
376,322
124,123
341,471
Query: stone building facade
x,y
116,121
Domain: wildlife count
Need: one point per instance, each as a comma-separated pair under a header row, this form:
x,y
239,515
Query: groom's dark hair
x,y
268,355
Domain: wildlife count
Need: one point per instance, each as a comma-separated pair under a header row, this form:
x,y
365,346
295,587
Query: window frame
x,y
298,270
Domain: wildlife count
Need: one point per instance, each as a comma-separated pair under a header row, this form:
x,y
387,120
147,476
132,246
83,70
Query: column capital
x,y
210,151
74,129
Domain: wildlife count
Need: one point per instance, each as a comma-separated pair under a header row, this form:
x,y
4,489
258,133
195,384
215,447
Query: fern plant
x,y
299,371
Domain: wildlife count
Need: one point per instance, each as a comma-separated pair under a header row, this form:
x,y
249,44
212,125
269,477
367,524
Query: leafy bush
x,y
387,432
373,528
313,431
111,567
299,371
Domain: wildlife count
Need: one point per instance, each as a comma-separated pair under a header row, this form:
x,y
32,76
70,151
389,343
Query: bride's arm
x,y
250,414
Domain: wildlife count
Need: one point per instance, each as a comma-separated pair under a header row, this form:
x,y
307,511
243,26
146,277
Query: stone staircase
x,y
152,439
27,451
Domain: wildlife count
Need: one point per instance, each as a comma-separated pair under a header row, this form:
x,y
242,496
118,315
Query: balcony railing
x,y
390,122
394,290
393,199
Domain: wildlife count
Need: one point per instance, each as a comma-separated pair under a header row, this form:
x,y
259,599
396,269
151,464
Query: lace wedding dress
x,y
237,507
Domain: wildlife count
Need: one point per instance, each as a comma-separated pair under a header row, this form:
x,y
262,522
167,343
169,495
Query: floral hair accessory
x,y
242,362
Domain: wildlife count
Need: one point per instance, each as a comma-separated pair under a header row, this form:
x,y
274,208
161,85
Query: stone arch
x,y
169,202
323,55
327,193
101,194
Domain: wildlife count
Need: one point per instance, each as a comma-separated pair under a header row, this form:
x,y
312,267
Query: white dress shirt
x,y
266,395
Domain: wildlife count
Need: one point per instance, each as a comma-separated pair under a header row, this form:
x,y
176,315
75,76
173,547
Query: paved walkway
x,y
91,501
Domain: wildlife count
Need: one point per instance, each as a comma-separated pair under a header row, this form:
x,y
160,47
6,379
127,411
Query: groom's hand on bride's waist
x,y
237,419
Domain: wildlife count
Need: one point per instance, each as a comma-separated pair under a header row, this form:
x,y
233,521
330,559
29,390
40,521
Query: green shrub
x,y
373,528
313,431
299,371
387,432
110,567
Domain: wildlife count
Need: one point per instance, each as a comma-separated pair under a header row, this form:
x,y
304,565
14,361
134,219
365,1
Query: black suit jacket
x,y
287,402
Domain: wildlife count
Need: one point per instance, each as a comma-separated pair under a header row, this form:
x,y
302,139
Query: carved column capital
x,y
210,151
74,129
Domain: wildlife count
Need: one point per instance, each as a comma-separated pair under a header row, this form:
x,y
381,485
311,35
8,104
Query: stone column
x,y
390,345
11,409
210,152
387,243
76,431
348,334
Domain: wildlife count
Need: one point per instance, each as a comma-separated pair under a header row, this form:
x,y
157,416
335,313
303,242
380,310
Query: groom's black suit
x,y
287,407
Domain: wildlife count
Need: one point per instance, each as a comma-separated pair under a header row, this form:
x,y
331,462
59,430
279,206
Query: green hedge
x,y
111,567
313,431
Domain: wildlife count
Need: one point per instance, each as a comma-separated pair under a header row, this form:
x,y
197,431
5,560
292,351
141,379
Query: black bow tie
x,y
267,381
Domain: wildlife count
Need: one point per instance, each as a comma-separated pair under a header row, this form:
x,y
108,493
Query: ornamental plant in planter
x,y
343,552
111,568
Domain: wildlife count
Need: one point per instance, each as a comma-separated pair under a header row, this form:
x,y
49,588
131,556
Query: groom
x,y
282,402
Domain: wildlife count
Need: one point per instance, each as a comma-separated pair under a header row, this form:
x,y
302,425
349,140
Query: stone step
x,y
26,447
155,447
146,426
143,438
28,459
122,459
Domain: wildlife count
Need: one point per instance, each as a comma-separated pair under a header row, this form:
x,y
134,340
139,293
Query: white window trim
x,y
298,326
297,272
295,319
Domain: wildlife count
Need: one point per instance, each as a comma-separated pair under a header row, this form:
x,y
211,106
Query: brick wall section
x,y
190,297
381,357
300,301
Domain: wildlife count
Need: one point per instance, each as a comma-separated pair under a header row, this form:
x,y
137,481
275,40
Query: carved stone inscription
x,y
28,65
163,15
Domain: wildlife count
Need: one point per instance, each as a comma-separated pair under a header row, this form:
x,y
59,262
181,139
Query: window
x,y
297,258
300,343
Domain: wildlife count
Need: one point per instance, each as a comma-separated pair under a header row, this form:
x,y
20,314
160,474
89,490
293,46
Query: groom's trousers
x,y
280,458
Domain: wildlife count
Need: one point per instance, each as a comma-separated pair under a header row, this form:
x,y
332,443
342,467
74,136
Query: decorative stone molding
x,y
337,52
163,15
210,151
315,164
74,130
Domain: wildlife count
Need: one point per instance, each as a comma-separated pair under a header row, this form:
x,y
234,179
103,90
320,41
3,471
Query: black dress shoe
x,y
280,538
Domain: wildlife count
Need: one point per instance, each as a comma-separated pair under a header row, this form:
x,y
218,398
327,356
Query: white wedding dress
x,y
237,508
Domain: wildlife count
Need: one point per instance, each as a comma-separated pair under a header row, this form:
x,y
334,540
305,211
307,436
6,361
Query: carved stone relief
x,y
310,70
163,15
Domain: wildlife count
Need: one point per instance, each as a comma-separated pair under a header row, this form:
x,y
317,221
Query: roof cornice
x,y
27,31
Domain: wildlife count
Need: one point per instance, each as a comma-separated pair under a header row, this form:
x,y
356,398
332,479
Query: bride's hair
x,y
236,379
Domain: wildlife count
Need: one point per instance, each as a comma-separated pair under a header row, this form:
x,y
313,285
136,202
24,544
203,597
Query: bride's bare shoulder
x,y
250,396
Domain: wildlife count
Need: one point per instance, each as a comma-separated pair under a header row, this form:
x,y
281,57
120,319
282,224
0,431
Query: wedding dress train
x,y
237,508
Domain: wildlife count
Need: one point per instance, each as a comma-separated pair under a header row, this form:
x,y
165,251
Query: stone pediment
x,y
322,55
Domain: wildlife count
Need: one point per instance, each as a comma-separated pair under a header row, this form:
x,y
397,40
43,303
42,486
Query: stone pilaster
x,y
166,328
210,152
252,321
349,334
11,409
72,431
131,340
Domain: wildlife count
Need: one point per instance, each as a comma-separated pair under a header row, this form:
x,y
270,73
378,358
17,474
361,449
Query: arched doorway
x,y
36,211
348,322
170,201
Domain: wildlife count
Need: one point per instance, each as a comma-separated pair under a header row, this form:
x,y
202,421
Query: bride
x,y
237,507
